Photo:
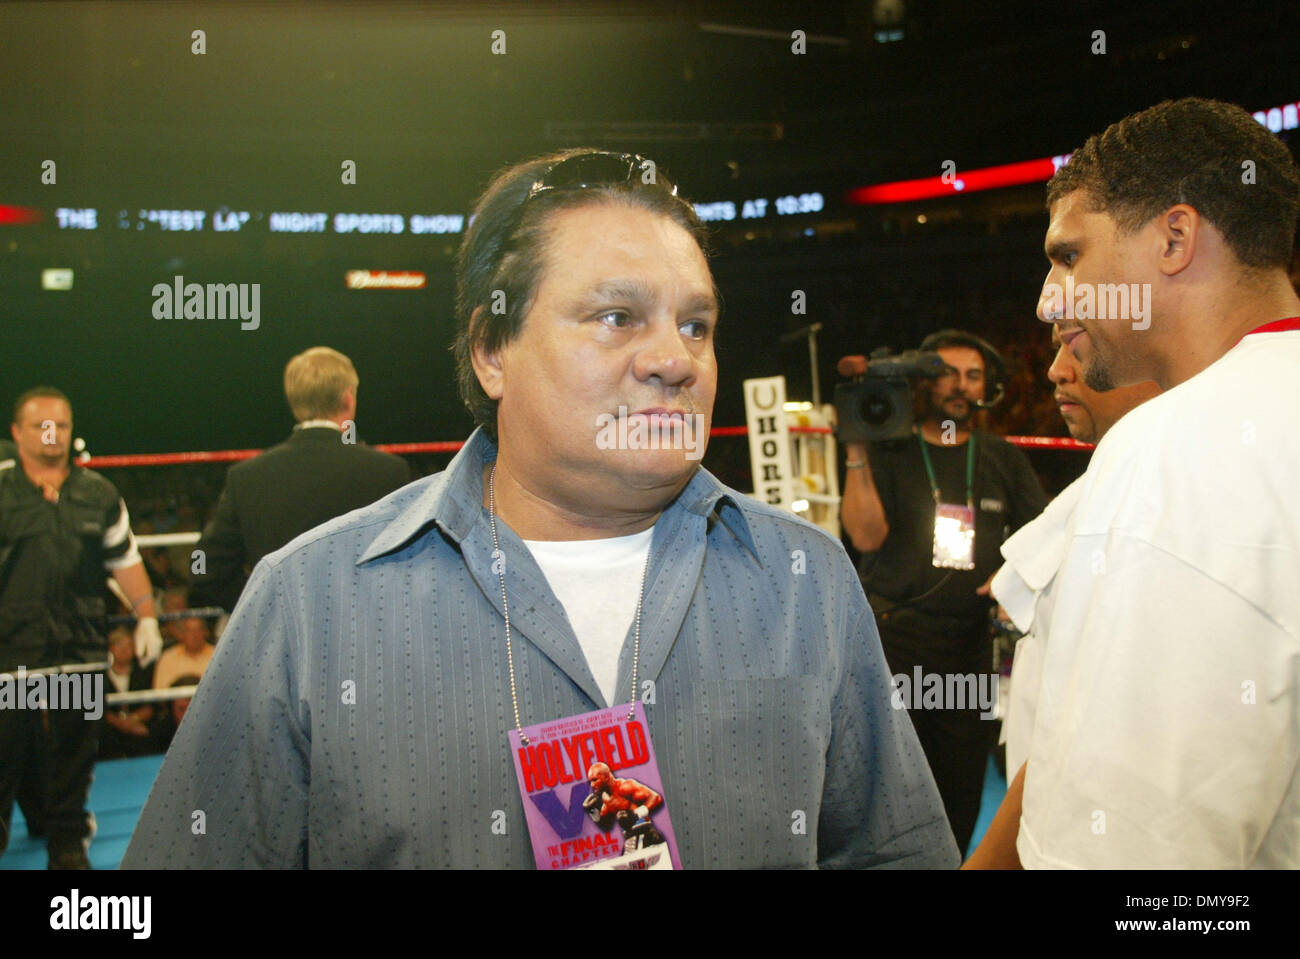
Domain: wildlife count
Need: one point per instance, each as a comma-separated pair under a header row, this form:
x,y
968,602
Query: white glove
x,y
148,640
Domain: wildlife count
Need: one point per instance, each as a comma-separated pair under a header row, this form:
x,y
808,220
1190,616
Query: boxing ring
x,y
121,786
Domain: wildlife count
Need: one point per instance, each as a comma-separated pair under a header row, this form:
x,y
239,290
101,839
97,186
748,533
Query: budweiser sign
x,y
385,280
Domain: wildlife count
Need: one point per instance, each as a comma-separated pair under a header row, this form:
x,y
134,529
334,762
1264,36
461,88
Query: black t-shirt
x,y
52,566
1007,495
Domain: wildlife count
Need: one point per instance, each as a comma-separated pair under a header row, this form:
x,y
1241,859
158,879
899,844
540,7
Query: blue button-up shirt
x,y
355,711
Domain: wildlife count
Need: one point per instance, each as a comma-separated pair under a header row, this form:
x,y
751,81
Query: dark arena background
x,y
150,135
891,169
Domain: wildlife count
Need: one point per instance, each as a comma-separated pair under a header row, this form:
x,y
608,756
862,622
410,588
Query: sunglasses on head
x,y
586,170
599,168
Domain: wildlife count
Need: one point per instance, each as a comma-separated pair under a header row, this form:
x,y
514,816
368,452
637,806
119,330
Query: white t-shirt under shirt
x,y
1167,728
598,582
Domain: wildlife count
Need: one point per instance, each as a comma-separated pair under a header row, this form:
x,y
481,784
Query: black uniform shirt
x,y
53,558
1007,495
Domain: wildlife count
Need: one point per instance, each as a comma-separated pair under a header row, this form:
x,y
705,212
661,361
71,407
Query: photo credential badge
x,y
954,536
592,793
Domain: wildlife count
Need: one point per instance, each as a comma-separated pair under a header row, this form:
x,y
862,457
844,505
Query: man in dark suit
x,y
318,473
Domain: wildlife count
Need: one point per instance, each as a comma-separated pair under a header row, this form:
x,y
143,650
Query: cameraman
x,y
922,587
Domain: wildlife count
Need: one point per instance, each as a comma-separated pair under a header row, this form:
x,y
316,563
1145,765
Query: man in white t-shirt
x,y
1167,729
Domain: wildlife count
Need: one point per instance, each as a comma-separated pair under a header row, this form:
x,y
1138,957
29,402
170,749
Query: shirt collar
x,y
1037,550
454,501
316,424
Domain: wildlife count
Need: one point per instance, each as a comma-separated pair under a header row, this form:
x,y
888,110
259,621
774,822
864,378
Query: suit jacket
x,y
311,477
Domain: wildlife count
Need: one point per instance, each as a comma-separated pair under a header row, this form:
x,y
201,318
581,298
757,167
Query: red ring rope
x,y
226,456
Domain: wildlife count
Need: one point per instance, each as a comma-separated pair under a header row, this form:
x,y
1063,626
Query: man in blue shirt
x,y
357,710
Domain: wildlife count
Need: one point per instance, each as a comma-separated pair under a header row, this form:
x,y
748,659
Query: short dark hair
x,y
34,393
1192,151
504,251
995,366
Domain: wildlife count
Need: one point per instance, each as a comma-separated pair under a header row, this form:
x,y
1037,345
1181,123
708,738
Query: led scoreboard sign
x,y
1277,119
225,220
757,208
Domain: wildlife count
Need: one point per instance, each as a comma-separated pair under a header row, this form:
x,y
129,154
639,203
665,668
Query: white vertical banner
x,y
769,440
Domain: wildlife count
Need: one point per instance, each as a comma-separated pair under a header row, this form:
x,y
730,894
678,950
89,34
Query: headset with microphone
x,y
995,367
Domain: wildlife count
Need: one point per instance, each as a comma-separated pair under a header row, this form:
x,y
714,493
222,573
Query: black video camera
x,y
877,404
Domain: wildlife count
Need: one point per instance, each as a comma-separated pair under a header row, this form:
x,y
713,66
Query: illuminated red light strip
x,y
1275,120
19,215
968,181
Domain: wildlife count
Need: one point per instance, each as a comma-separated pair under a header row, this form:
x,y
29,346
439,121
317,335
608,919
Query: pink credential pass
x,y
592,793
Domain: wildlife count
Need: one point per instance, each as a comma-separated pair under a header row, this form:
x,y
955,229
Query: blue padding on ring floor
x,y
116,797
121,787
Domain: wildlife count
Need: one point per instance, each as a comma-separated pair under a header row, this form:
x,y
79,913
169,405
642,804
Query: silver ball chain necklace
x,y
505,609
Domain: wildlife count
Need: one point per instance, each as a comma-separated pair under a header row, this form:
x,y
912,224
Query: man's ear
x,y
487,365
1180,228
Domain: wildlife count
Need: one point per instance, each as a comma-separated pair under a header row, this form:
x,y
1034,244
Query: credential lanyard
x,y
970,470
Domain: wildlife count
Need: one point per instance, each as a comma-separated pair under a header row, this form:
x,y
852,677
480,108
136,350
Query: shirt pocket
x,y
87,519
761,745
